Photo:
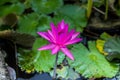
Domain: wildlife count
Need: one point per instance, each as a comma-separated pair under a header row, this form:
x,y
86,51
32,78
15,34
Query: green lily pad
x,y
90,63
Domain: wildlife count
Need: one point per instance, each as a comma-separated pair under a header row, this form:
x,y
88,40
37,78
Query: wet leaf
x,y
90,63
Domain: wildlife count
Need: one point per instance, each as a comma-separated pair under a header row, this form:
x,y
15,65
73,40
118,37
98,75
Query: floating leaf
x,y
91,63
46,6
112,46
39,60
76,13
28,23
17,8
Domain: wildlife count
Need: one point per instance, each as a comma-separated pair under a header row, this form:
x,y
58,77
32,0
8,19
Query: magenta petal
x,y
62,24
54,30
47,47
67,53
51,36
75,35
73,41
55,49
44,35
69,36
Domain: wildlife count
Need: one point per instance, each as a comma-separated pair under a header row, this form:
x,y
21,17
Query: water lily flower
x,y
59,38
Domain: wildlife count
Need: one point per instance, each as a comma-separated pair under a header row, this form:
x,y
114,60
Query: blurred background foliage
x,y
90,17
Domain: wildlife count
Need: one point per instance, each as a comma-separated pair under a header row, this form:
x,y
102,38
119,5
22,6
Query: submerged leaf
x,y
112,46
67,73
21,39
91,63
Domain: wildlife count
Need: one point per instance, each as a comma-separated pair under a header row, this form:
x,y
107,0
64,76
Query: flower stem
x,y
55,67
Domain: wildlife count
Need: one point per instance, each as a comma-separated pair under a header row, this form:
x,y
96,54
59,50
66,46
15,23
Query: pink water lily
x,y
59,37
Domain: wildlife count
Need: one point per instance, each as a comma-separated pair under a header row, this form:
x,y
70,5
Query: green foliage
x,y
6,1
90,63
112,46
38,60
105,36
67,73
76,13
44,23
98,3
28,23
17,8
46,6
67,19
25,60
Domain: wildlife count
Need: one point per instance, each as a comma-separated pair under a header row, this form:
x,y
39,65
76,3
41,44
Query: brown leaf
x,y
22,39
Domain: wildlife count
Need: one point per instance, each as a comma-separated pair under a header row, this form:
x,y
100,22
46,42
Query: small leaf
x,y
105,36
46,6
91,63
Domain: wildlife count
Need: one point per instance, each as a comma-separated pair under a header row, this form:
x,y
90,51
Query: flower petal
x,y
61,26
73,41
69,35
47,47
75,35
55,49
52,37
67,53
54,30
44,35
